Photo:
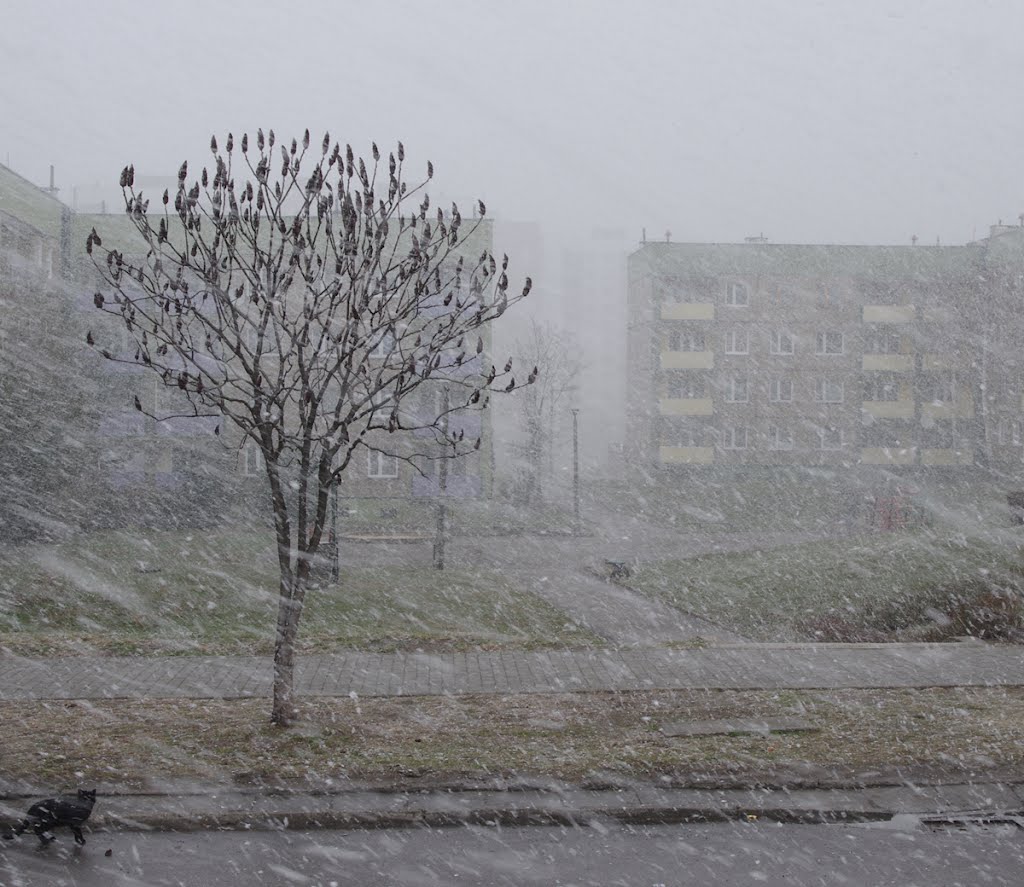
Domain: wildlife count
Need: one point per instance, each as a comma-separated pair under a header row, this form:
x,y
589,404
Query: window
x,y
168,399
737,295
940,389
383,343
686,340
1008,433
939,436
830,438
381,464
780,438
734,438
885,388
382,402
736,390
687,385
736,342
781,343
686,437
830,342
252,459
828,391
780,390
882,341
252,335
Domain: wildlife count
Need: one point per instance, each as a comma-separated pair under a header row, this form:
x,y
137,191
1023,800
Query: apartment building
x,y
783,354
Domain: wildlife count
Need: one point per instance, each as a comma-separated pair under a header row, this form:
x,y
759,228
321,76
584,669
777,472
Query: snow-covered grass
x,y
723,501
874,735
210,591
884,584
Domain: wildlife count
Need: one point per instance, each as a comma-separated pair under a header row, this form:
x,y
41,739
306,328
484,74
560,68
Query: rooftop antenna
x,y
52,189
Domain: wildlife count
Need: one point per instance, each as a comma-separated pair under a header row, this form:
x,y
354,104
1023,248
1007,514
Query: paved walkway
x,y
417,674
620,616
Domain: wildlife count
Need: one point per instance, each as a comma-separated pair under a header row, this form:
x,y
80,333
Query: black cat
x,y
69,810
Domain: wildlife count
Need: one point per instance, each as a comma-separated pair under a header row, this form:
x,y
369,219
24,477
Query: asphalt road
x,y
902,855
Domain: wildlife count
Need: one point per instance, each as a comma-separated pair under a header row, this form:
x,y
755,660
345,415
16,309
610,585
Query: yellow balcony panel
x,y
688,311
887,456
687,406
947,457
935,362
687,360
889,363
686,455
963,408
889,409
889,313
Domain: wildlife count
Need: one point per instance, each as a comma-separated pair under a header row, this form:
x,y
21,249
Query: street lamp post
x,y
576,471
335,566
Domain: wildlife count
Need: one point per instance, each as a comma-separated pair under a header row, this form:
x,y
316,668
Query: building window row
x,y
879,387
737,341
778,438
737,294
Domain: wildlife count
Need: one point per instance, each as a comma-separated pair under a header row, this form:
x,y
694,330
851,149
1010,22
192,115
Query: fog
x,y
829,122
741,511
842,122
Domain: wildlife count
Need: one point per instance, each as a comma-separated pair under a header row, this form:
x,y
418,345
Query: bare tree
x,y
557,351
307,307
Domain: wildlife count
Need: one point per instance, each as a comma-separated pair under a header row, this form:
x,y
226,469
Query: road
x,y
761,853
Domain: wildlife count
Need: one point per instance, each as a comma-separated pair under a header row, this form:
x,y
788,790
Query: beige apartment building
x,y
799,355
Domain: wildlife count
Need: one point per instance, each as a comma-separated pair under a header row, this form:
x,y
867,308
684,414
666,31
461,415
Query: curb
x,y
356,810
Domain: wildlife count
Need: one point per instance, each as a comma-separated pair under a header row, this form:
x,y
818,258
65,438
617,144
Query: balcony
x,y
889,409
459,487
686,406
888,363
887,456
687,360
961,408
686,455
947,457
688,311
889,313
937,363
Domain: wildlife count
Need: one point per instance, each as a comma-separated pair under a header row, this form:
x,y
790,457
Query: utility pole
x,y
577,528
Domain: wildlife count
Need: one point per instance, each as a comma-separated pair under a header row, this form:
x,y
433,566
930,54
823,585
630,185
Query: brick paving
x,y
749,666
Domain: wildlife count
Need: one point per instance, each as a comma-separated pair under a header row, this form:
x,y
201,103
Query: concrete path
x,y
744,667
618,615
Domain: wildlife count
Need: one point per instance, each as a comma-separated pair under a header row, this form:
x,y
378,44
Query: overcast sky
x,y
811,122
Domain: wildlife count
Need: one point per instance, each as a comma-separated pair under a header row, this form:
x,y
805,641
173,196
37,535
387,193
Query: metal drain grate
x,y
1002,825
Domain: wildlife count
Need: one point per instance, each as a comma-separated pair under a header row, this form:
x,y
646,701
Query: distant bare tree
x,y
307,305
556,351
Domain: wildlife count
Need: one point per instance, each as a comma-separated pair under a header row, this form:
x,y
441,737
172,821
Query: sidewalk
x,y
741,667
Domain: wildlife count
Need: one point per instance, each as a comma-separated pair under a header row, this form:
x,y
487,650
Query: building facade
x,y
786,355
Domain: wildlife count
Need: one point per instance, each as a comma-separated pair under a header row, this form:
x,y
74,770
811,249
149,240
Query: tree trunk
x,y
283,712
